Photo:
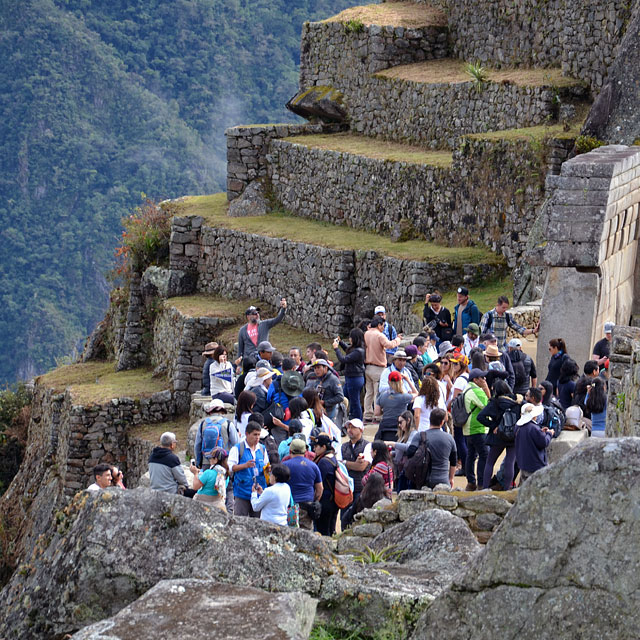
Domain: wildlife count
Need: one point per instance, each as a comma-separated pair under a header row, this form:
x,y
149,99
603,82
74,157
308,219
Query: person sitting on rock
x,y
101,476
256,330
531,441
247,461
208,352
165,472
222,377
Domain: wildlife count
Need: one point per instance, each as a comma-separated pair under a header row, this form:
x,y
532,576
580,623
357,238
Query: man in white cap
x,y
531,441
213,431
356,454
602,348
388,330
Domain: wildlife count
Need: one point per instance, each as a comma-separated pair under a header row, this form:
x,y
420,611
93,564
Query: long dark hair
x,y
314,402
558,343
357,339
297,406
430,389
380,452
372,491
502,388
568,371
597,398
246,400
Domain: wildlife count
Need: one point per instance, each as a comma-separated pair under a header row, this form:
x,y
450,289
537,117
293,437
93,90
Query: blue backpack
x,y
211,431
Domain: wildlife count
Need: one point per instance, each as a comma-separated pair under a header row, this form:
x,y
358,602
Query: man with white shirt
x,y
471,338
247,461
102,477
397,364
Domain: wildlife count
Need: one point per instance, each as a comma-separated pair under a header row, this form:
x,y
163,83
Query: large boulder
x,y
111,547
563,563
202,609
252,202
614,116
322,103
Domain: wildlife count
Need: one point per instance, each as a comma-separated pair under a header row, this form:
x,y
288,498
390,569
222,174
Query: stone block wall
x,y
247,148
580,36
416,112
482,512
178,342
623,406
491,194
591,249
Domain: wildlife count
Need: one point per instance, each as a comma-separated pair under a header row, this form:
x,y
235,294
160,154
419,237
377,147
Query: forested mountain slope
x,y
101,102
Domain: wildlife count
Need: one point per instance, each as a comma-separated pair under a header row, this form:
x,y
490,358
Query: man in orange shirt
x,y
376,344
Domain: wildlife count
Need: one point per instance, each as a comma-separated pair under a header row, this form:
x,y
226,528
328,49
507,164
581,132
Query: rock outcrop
x,y
563,564
107,549
201,609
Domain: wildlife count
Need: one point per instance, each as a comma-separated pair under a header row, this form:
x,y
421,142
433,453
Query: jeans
x,y
461,445
229,398
509,460
372,380
352,388
331,413
476,448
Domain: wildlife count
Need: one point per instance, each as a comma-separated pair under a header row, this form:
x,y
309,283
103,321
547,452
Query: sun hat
x,y
573,416
209,348
492,351
400,354
263,373
292,383
297,446
379,309
213,405
445,347
529,412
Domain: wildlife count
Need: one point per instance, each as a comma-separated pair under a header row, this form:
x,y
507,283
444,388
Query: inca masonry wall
x,y
581,37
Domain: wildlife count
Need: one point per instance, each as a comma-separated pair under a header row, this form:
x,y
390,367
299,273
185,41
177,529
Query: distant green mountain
x,y
104,101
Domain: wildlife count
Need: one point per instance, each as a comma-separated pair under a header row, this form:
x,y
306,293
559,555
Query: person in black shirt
x,y
602,348
437,317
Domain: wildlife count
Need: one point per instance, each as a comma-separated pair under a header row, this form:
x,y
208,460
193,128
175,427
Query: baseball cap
x,y
477,373
473,328
394,376
323,440
380,309
265,345
514,343
463,291
319,362
251,310
608,327
297,446
355,422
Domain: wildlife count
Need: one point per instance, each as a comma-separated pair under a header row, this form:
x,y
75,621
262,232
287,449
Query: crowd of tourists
x,y
448,404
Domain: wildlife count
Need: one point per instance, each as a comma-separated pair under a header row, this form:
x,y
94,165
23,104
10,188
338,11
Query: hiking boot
x,y
470,487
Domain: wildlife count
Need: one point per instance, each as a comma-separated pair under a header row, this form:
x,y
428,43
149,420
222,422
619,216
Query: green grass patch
x,y
98,382
328,632
152,431
452,71
201,305
374,148
213,209
394,14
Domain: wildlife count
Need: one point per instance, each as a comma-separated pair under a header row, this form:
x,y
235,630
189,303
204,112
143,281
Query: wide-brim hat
x,y
213,405
492,351
292,383
263,373
209,348
529,412
400,354
445,347
320,362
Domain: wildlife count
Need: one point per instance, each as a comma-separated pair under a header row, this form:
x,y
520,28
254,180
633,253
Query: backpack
x,y
507,425
343,485
211,432
416,468
459,411
554,418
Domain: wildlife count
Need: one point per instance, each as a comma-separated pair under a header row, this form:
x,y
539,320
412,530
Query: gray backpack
x,y
459,411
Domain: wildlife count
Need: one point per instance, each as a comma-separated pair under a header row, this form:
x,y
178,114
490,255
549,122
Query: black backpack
x,y
507,425
418,466
459,411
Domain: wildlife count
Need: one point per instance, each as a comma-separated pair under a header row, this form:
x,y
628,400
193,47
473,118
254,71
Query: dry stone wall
x,y
491,194
328,290
623,408
582,37
435,114
247,148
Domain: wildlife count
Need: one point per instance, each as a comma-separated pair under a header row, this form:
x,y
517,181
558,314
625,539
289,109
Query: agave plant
x,y
371,556
477,72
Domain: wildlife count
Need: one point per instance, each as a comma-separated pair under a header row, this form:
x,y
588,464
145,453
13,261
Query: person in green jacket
x,y
476,397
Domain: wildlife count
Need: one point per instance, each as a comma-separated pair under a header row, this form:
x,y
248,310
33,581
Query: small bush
x,y
354,26
477,73
584,144
145,239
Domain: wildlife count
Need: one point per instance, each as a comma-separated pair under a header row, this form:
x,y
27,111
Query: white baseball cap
x,y
380,309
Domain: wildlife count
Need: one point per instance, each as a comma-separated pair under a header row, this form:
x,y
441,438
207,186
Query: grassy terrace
x,y
451,71
97,382
282,336
533,133
152,432
374,148
394,14
213,209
